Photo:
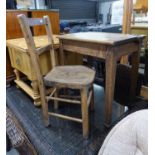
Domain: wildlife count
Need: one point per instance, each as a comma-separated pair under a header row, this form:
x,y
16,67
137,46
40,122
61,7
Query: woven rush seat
x,y
70,75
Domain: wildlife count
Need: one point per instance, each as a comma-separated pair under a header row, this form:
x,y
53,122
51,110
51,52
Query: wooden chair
x,y
74,77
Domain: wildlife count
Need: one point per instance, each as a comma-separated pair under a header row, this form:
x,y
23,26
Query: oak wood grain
x,y
54,18
100,37
40,41
13,30
70,76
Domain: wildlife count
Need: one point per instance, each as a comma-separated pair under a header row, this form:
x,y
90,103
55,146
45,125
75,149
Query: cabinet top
x,y
54,10
40,41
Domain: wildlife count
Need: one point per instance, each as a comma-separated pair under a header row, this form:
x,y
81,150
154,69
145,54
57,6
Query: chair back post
x,y
25,26
50,39
26,31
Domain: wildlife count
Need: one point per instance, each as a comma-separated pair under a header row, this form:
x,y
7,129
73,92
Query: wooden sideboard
x,y
13,29
21,62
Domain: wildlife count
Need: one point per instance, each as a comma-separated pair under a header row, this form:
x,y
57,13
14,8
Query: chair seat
x,y
70,76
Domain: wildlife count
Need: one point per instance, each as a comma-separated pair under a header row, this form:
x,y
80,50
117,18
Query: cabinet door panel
x,y
54,18
12,31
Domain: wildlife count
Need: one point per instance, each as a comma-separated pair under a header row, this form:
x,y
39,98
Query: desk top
x,y
101,37
40,41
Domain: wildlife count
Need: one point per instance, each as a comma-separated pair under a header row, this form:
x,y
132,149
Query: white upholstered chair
x,y
128,137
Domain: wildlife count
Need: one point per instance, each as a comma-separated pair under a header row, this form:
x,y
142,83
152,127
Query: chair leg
x,y
92,99
56,104
84,108
44,104
45,113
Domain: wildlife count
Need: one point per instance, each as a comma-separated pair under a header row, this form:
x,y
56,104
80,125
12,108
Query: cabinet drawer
x,y
20,61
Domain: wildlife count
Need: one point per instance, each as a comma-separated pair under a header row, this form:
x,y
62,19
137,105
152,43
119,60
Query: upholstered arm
x,y
128,137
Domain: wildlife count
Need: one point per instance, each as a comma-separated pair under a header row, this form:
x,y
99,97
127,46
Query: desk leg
x,y
92,99
134,74
110,85
85,113
62,59
36,95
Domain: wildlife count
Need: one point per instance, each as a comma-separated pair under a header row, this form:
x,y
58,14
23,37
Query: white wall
x,y
104,9
40,4
29,4
117,12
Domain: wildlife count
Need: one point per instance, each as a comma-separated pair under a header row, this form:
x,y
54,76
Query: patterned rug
x,y
62,137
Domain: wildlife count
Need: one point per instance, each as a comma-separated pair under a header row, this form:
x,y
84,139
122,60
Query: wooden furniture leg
x,y
35,88
144,92
121,109
62,56
134,74
85,114
56,104
17,73
110,85
32,91
45,109
92,99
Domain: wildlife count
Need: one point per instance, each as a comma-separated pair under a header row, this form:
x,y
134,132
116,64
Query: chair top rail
x,y
35,21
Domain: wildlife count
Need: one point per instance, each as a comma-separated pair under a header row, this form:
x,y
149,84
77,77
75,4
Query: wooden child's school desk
x,y
108,46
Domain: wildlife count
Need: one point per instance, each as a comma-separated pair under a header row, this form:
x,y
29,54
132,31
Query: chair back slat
x,y
35,21
50,39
